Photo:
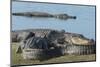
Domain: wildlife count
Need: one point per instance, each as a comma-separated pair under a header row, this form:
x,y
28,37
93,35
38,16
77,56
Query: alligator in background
x,y
44,15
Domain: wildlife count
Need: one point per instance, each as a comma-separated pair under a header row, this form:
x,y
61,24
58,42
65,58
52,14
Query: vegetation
x,y
18,60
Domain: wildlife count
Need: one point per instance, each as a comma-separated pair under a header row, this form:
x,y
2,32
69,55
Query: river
x,y
84,24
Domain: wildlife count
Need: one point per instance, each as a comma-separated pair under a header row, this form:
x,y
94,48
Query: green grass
x,y
18,60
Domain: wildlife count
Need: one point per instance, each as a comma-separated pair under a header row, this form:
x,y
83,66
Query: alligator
x,y
65,42
52,35
45,15
53,43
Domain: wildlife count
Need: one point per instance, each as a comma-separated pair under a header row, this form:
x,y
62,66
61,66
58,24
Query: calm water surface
x,y
84,24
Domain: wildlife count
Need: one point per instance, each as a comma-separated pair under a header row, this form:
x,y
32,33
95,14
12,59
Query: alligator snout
x,y
80,41
64,16
74,17
91,42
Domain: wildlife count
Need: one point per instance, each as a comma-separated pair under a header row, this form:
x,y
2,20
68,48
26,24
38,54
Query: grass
x,y
18,60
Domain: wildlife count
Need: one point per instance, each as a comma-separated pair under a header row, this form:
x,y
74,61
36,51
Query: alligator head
x,y
65,16
78,39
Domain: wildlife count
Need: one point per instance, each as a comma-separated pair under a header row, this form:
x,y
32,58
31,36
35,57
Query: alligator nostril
x,y
91,42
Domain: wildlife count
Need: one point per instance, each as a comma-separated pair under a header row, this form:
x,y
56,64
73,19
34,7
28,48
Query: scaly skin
x,y
78,39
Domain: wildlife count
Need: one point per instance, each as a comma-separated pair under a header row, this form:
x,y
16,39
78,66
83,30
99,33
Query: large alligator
x,y
43,14
72,38
69,43
52,41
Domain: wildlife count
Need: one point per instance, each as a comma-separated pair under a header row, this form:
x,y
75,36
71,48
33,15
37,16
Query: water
x,y
84,24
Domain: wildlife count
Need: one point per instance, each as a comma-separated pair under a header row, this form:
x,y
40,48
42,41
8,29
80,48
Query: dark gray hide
x,y
54,35
24,36
37,43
